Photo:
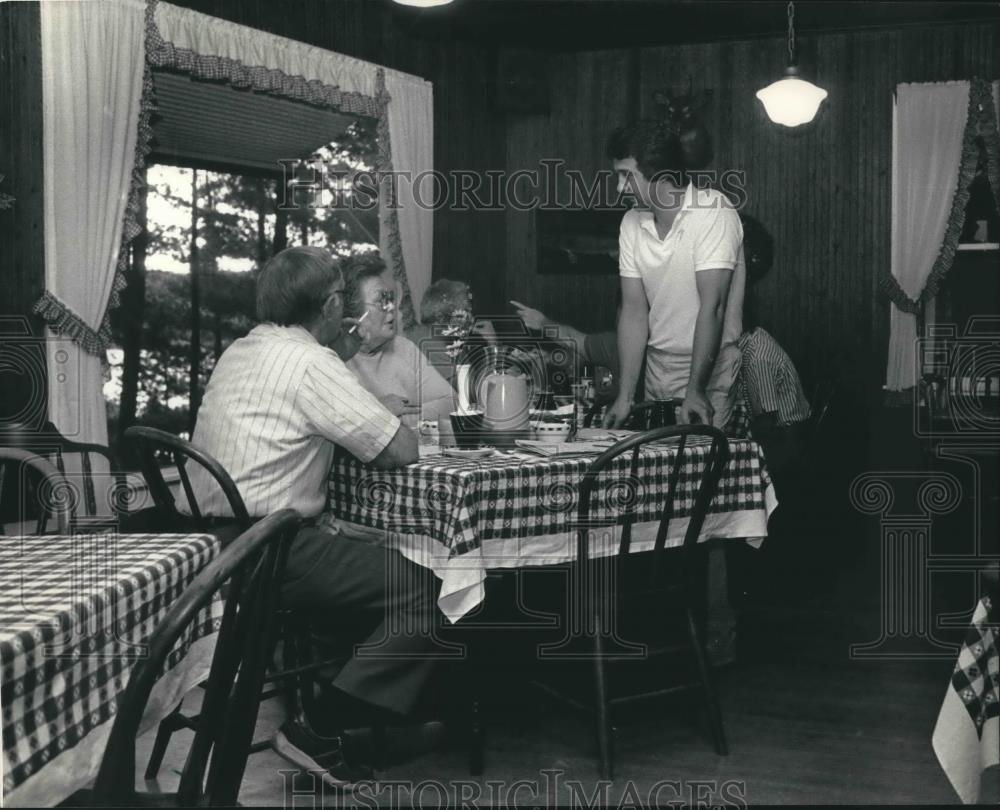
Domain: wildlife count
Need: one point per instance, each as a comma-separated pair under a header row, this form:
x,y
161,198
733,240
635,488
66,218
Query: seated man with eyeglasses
x,y
389,365
279,403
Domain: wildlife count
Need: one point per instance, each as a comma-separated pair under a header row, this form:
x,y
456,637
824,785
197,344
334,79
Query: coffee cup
x,y
468,428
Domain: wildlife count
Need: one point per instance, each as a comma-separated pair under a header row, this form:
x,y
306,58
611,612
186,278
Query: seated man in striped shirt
x,y
279,403
772,393
778,406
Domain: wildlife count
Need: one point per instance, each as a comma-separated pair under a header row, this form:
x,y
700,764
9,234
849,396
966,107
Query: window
x,y
191,285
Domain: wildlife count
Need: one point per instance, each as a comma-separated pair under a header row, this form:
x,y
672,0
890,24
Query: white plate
x,y
468,452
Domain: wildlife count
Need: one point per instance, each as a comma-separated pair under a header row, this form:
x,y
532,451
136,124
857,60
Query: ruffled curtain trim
x,y
64,321
59,317
390,219
278,83
266,80
981,117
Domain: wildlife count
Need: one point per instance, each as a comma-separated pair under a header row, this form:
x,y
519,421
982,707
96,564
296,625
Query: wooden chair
x,y
671,581
253,566
49,443
152,446
295,678
37,483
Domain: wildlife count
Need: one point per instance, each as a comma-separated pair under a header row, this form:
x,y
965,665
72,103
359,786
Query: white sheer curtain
x,y
928,125
411,133
92,68
410,111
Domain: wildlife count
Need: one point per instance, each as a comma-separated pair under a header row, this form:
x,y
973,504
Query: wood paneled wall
x,y
22,262
823,192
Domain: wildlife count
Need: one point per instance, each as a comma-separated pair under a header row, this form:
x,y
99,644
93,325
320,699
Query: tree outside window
x,y
191,278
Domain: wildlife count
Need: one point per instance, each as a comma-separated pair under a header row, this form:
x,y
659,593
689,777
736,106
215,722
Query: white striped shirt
x,y
769,380
275,407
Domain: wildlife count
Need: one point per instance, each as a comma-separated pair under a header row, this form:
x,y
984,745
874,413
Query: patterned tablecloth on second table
x,y
967,734
460,517
74,613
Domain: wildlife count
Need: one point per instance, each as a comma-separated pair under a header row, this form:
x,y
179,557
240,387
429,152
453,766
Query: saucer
x,y
468,452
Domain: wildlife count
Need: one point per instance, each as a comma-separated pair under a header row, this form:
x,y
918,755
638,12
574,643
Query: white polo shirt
x,y
276,406
706,234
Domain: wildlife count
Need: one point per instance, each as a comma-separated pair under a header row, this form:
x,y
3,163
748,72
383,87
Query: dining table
x,y
966,736
76,613
462,514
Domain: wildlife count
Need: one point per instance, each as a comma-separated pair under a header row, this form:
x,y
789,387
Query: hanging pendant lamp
x,y
423,3
791,101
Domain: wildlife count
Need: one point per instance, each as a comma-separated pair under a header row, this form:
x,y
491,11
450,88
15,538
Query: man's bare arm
x,y
400,451
633,334
713,294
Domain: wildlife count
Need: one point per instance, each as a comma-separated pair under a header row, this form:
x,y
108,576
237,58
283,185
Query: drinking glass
x,y
583,403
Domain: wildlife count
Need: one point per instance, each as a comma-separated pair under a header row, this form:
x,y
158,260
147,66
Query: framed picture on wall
x,y
578,241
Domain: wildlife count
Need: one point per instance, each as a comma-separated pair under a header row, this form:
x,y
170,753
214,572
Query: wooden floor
x,y
807,723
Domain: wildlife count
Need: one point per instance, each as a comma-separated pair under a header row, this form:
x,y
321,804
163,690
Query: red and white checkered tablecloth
x,y
460,517
75,612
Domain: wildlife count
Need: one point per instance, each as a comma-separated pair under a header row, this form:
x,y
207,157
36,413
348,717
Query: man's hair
x,y
356,268
294,285
657,150
442,298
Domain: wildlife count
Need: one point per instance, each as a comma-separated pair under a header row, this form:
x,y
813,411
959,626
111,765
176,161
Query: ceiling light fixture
x,y
791,101
423,3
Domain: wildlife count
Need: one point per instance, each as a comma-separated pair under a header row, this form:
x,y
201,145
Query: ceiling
x,y
592,24
211,123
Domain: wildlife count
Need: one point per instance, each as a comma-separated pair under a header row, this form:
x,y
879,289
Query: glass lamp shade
x,y
791,101
423,3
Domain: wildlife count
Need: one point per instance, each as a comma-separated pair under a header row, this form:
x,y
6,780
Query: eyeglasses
x,y
385,300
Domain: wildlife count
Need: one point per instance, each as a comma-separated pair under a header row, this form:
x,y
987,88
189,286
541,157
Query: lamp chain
x,y
791,33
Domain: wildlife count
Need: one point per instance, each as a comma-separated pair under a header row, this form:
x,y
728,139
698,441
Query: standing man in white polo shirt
x,y
682,278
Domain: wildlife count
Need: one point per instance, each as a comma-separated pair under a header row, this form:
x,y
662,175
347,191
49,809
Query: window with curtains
x,y
970,294
191,288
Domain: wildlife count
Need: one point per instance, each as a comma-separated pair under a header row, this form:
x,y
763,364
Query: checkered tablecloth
x,y
967,734
75,612
465,506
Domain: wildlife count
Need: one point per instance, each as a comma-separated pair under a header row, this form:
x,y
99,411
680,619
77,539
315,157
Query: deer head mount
x,y
683,113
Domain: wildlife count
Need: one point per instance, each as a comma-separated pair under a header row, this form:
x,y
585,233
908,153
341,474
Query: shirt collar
x,y
295,331
647,222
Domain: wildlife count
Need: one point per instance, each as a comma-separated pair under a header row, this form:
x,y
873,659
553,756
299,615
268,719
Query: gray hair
x,y
294,285
442,298
357,268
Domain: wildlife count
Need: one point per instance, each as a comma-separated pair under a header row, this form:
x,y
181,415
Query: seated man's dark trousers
x,y
331,575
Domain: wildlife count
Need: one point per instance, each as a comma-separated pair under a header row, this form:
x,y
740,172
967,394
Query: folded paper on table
x,y
603,434
549,449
